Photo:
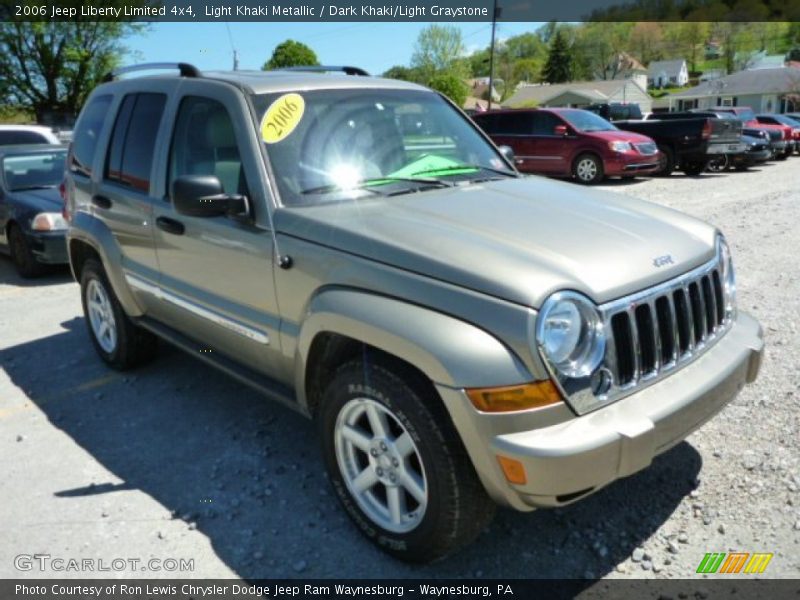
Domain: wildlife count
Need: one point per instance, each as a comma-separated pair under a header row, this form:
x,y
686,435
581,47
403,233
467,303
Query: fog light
x,y
514,397
513,470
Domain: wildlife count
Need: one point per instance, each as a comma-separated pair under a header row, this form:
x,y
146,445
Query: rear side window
x,y
8,138
133,141
86,135
544,123
506,123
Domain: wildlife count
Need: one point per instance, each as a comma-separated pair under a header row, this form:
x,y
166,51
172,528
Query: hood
x,y
619,136
44,200
516,239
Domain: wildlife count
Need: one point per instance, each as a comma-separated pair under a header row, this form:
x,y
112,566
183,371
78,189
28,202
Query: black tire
x,y
666,162
134,346
693,168
457,507
782,156
590,175
718,164
21,255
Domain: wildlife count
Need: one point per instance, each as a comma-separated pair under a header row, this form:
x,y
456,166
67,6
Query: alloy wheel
x,y
101,316
381,465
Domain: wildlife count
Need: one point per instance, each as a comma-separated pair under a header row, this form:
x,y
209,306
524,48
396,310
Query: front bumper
x,y
576,456
624,164
49,247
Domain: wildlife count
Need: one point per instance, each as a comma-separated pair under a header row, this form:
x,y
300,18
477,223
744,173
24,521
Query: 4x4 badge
x,y
660,261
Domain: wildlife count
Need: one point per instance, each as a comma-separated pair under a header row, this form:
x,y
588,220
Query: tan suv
x,y
357,249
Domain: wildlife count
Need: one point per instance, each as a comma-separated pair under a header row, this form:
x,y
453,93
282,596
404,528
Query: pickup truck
x,y
773,135
748,117
725,128
688,143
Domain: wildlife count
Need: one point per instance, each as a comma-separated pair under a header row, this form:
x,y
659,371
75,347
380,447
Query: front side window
x,y
586,121
544,123
33,171
204,143
133,141
326,145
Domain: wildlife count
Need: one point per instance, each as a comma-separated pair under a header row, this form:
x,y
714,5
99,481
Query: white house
x,y
663,73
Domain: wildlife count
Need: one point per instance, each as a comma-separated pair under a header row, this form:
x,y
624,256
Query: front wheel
x,y
397,464
21,254
588,169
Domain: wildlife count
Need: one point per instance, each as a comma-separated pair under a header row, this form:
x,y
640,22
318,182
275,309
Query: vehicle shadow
x,y
247,473
53,275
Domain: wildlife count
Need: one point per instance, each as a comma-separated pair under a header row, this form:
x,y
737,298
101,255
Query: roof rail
x,y
328,69
186,70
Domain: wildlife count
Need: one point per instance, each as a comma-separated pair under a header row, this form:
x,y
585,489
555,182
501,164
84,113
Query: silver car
x,y
357,249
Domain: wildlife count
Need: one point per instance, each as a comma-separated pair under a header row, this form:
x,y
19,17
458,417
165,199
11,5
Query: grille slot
x,y
662,328
647,339
621,327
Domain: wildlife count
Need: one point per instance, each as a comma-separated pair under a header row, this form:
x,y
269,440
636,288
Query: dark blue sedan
x,y
32,228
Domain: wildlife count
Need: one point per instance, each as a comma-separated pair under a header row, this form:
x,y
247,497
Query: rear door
x,y
216,273
550,152
123,197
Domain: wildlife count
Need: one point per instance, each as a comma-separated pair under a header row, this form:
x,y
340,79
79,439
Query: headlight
x,y
570,335
620,146
49,222
728,278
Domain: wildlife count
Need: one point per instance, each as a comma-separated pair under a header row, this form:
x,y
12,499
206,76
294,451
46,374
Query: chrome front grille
x,y
646,148
651,333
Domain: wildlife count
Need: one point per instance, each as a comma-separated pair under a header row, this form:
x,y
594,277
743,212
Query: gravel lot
x,y
177,461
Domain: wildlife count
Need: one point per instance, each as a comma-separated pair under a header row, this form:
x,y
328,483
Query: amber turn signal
x,y
514,397
513,470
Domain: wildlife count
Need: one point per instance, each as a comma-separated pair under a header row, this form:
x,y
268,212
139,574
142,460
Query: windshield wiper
x,y
463,167
371,184
34,187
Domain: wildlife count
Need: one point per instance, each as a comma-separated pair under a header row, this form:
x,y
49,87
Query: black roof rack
x,y
186,70
327,69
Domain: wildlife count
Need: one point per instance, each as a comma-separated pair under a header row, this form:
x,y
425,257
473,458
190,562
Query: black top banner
x,y
400,10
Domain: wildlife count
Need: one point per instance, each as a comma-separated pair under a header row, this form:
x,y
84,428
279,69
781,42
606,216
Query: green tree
x,y
291,54
51,67
402,73
439,48
451,86
558,68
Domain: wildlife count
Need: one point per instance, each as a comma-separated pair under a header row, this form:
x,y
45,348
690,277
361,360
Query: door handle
x,y
101,201
170,225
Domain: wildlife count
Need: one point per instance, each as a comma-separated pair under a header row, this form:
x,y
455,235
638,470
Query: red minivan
x,y
570,142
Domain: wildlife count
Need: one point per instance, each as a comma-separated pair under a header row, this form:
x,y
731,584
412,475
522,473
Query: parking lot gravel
x,y
178,461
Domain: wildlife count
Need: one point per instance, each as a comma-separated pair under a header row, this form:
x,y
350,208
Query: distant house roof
x,y
772,61
625,62
475,103
671,67
594,90
756,81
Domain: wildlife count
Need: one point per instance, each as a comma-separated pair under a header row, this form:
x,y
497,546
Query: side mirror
x,y
561,130
508,152
203,196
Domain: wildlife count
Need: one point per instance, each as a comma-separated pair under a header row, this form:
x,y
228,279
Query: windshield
x,y
326,145
784,120
34,171
586,121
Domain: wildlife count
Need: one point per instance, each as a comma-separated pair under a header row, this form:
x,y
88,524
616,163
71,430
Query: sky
x,y
371,46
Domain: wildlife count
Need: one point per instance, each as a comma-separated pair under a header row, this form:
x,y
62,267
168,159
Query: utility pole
x,y
495,15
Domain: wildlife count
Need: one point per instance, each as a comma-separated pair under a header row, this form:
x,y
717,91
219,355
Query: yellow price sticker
x,y
282,117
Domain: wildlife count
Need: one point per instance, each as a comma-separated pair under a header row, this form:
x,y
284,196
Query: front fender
x,y
449,351
92,231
